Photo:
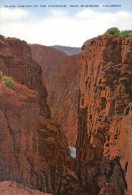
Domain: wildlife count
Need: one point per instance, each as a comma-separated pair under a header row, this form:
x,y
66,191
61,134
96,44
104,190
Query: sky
x,y
66,25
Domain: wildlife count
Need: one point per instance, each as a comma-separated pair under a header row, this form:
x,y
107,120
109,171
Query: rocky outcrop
x,y
16,61
104,158
12,188
33,149
61,78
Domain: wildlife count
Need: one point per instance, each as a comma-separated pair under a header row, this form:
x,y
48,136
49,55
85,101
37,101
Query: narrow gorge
x,y
61,75
57,102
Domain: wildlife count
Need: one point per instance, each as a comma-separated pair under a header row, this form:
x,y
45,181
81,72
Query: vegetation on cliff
x,y
7,81
116,31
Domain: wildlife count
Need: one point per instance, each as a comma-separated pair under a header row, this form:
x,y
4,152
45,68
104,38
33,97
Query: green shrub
x,y
116,31
126,33
113,31
7,81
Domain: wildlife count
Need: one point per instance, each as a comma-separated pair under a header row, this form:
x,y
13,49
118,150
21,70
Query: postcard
x,y
65,97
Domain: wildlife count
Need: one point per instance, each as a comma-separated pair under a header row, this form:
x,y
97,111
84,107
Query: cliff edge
x,y
104,157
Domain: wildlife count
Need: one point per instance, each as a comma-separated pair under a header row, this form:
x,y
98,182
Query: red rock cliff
x,y
61,78
16,61
33,148
104,156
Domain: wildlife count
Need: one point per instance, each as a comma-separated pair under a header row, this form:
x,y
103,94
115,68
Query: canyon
x,y
33,148
61,77
90,98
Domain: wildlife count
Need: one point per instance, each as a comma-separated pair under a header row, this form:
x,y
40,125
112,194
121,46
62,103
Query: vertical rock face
x,y
61,78
19,114
104,158
33,148
16,61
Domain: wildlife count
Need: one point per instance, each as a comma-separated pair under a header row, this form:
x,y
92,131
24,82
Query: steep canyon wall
x,y
104,159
